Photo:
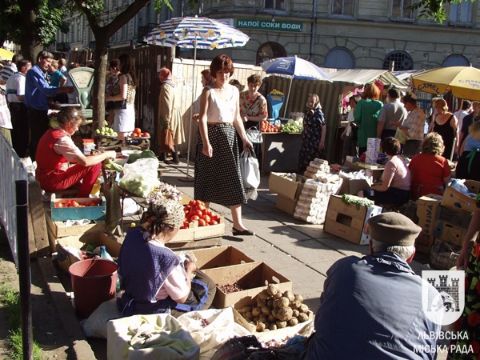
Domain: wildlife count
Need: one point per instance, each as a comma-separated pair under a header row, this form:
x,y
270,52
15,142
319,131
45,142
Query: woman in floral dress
x,y
313,135
253,108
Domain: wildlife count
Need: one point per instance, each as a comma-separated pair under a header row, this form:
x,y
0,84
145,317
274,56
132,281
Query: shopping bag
x,y
401,136
250,170
254,135
166,143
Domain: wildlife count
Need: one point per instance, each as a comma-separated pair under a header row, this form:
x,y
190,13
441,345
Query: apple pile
x,y
196,214
138,133
73,203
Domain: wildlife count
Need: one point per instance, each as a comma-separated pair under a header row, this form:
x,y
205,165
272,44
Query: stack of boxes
x,y
444,222
427,213
316,169
312,203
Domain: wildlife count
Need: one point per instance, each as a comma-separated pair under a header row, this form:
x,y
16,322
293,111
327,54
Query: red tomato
x,y
198,213
213,222
202,222
194,218
75,203
207,218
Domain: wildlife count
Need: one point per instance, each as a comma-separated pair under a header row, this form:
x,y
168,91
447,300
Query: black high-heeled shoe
x,y
237,232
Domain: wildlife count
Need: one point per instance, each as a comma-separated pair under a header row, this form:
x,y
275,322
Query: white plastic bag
x,y
140,177
373,149
150,337
250,170
254,135
211,328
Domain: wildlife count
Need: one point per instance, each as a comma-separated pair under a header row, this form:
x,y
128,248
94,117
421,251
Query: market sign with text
x,y
269,25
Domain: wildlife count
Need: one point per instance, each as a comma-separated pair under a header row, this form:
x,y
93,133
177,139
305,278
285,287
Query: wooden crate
x,y
77,213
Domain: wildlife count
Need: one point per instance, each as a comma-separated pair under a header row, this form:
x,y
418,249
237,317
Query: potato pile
x,y
272,310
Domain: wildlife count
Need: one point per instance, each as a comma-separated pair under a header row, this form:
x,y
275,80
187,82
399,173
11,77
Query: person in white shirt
x,y
15,97
465,109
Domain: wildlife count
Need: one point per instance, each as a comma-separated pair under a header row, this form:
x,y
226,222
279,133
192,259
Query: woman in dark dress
x,y
445,124
217,166
313,135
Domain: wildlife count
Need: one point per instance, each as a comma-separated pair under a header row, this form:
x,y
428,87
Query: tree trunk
x,y
29,41
100,75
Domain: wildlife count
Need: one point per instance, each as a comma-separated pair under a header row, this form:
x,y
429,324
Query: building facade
x,y
352,33
372,34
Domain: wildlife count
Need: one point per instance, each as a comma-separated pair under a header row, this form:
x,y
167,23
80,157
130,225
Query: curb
x,y
79,345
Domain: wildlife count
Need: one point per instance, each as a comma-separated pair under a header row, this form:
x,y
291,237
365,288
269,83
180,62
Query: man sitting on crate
x,y
371,307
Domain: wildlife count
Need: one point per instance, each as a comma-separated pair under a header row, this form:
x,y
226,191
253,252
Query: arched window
x,y
340,58
402,60
270,50
455,60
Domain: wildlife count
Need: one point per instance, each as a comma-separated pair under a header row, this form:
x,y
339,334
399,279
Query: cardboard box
x,y
353,186
286,204
424,242
456,200
219,256
68,251
348,221
77,213
457,217
288,188
450,233
59,229
252,277
427,212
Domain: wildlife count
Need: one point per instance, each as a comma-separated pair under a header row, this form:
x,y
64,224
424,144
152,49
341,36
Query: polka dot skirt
x,y
218,179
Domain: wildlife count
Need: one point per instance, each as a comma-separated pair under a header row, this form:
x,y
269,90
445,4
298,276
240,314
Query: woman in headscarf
x,y
314,133
153,277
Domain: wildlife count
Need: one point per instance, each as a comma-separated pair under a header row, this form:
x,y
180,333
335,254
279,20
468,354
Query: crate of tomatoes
x,y
200,222
62,209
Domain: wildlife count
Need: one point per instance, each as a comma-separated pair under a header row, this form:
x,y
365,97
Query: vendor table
x,y
280,152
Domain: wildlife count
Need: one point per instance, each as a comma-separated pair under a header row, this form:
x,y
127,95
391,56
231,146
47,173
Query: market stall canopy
x,y
6,54
364,76
462,81
294,67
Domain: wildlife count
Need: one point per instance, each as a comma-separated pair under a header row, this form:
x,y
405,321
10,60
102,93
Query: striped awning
x,y
199,32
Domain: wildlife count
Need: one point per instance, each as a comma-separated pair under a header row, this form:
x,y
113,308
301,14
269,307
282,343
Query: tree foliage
x,y
102,31
435,9
49,17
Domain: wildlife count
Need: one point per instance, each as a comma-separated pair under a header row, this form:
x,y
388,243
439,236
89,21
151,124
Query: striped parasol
x,y
196,32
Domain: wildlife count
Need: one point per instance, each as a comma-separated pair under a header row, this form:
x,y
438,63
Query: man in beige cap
x,y
371,307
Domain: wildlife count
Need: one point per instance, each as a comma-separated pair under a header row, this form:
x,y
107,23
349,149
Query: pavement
x,y
301,252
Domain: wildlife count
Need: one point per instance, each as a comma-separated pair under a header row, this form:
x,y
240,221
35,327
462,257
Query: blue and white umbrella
x,y
294,67
195,33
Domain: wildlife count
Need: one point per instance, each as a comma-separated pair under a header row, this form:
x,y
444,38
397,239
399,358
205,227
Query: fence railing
x,y
11,170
